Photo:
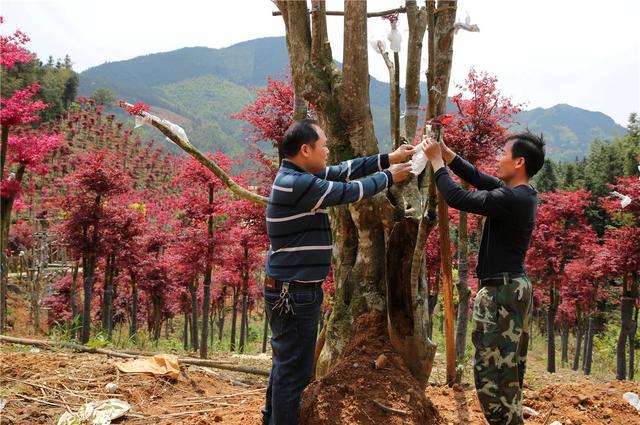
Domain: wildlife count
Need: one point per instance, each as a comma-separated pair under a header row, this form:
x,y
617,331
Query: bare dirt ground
x,y
39,386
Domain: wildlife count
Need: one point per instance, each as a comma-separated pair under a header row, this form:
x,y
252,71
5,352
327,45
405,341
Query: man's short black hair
x,y
530,147
299,133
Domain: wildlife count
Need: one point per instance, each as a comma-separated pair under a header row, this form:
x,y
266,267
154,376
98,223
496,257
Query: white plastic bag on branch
x,y
147,118
466,25
394,37
625,200
419,159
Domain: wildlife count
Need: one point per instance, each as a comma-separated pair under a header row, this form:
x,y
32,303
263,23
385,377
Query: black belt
x,y
501,279
270,282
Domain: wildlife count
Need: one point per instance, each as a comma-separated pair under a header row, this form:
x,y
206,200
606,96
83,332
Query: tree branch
x,y
417,19
340,13
296,21
95,350
164,127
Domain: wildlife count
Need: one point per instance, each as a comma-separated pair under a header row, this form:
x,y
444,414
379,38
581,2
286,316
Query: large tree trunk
x,y
206,300
376,234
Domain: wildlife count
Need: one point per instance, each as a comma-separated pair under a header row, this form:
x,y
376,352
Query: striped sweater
x,y
297,217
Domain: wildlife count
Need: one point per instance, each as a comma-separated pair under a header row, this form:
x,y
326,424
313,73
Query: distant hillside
x,y
569,130
201,87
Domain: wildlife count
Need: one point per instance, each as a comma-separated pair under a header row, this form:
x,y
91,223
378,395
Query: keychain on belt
x,y
284,303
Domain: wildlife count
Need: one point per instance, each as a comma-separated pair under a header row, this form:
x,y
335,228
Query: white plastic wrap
x,y
419,159
625,200
394,37
466,25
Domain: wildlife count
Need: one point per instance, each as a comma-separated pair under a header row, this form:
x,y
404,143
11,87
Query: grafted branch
x,y
164,127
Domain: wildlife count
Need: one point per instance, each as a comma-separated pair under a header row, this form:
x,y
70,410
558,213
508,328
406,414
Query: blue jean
x,y
293,343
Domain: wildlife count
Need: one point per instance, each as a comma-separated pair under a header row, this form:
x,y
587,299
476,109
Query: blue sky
x,y
584,53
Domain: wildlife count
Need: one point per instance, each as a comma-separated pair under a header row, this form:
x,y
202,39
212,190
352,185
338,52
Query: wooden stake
x,y
440,39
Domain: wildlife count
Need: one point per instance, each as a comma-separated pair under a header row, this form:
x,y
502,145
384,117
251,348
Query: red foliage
x,y
477,131
30,148
135,109
12,50
19,108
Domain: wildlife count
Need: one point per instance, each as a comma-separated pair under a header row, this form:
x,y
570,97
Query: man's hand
x,y
432,149
447,154
433,152
400,172
401,154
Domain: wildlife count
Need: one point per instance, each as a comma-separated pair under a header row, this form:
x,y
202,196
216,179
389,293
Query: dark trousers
x,y
293,343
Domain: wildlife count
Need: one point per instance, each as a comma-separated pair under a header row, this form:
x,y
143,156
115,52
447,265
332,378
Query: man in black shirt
x,y
502,308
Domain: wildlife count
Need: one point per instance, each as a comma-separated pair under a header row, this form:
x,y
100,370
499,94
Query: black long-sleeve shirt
x,y
510,212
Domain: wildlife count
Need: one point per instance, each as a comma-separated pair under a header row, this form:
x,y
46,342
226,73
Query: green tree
x,y
104,97
547,179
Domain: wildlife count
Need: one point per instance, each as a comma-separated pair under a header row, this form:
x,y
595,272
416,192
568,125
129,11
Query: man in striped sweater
x,y
300,253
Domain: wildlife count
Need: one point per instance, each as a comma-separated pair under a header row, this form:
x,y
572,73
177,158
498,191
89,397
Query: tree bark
x,y
72,299
206,300
234,318
107,296
564,341
551,320
133,330
417,21
626,312
88,277
589,344
632,345
223,296
578,330
156,301
6,207
194,315
185,330
244,324
463,288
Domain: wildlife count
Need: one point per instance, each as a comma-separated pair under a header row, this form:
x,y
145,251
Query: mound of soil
x,y
355,389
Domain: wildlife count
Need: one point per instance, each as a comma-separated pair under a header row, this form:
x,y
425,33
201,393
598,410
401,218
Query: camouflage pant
x,y
501,326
